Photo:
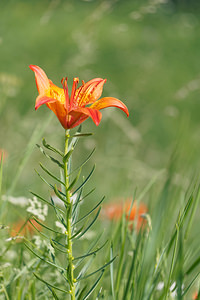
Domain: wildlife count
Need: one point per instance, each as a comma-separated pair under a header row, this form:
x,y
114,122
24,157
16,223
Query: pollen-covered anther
x,y
76,80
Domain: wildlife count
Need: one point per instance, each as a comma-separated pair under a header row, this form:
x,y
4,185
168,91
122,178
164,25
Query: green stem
x,y
70,268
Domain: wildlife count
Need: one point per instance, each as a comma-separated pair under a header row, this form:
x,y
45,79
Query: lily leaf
x,y
94,286
49,147
85,181
50,174
50,157
49,284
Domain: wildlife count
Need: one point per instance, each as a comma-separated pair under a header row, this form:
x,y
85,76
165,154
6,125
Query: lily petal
x,y
80,114
40,100
110,102
89,92
41,79
59,110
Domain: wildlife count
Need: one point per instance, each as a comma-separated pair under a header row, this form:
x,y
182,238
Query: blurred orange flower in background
x,y
73,110
4,154
195,296
115,210
22,228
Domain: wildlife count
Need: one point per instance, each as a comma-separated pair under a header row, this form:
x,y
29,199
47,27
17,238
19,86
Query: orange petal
x,y
41,79
81,114
89,92
40,100
59,110
109,102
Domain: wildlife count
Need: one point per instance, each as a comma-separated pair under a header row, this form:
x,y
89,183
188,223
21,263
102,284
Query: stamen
x,y
74,86
65,87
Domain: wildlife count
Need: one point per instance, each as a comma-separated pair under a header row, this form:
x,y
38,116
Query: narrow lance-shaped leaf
x,y
43,259
46,227
44,180
74,181
102,268
89,193
67,156
84,162
75,206
41,233
57,248
90,248
85,181
95,218
85,268
54,293
82,134
90,253
50,157
58,214
91,211
50,174
59,194
93,287
49,284
49,147
74,140
46,201
77,233
79,294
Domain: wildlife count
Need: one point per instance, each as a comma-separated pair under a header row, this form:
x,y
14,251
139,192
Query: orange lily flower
x,y
73,110
20,228
195,296
114,211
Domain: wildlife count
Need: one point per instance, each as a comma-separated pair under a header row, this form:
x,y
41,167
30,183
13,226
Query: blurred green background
x,y
149,53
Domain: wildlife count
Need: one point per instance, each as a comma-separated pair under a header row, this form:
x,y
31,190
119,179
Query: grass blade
x,y
112,272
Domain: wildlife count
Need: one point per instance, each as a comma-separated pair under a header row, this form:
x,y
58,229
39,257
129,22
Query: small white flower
x,y
37,241
50,248
160,286
21,201
61,226
37,209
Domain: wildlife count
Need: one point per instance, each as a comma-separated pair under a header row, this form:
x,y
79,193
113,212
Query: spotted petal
x,y
89,92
